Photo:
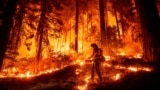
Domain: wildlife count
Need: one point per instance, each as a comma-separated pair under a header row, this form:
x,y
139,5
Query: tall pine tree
x,y
149,20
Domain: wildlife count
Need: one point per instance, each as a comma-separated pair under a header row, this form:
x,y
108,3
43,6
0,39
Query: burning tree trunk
x,y
7,23
76,27
102,22
40,32
150,24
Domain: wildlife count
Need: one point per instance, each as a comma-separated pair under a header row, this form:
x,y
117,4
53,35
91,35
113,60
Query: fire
x,y
77,71
15,74
138,56
58,42
121,53
117,76
84,86
87,79
133,69
107,58
146,69
26,75
106,64
81,63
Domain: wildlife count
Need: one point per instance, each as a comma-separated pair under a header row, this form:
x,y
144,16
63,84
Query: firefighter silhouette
x,y
97,58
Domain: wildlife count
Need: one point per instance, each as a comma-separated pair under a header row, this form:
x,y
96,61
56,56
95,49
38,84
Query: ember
x,y
117,76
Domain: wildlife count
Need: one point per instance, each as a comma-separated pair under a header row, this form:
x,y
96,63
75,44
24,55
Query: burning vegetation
x,y
50,36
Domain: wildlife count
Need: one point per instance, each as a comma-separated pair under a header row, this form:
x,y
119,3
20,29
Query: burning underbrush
x,y
113,71
63,72
30,67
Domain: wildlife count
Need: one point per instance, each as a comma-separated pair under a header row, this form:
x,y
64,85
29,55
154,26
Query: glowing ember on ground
x,y
28,74
84,86
116,77
77,71
82,73
133,69
87,79
146,69
138,56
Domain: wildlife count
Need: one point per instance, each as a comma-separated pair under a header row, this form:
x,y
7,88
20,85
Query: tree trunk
x,y
102,22
7,22
76,27
122,23
106,12
20,18
117,23
149,20
40,33
15,35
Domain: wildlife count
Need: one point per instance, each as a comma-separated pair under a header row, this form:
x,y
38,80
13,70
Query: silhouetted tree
x,y
116,15
149,20
14,37
102,22
40,31
7,22
76,27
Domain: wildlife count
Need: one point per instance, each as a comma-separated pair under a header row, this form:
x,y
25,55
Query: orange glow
x,y
121,53
77,71
107,64
81,63
87,79
133,69
58,43
138,56
146,69
107,58
84,86
117,76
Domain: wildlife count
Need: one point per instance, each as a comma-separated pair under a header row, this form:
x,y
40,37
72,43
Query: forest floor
x,y
114,78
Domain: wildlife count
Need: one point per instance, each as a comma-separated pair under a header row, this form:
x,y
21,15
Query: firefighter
x,y
97,58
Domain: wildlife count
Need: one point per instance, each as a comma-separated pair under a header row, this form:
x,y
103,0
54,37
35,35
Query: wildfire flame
x,y
117,76
133,69
84,86
58,47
